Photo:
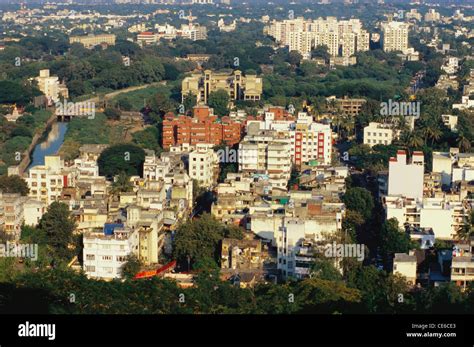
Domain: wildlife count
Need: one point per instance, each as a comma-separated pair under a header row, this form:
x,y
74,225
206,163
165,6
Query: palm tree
x,y
466,232
436,135
463,143
122,184
411,140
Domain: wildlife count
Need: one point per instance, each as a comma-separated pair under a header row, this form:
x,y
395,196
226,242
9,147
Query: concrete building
x,y
432,16
12,214
444,217
266,152
33,211
462,270
203,127
405,265
346,105
450,121
47,181
379,134
453,166
342,37
238,86
90,41
405,178
50,86
203,165
394,36
105,254
311,142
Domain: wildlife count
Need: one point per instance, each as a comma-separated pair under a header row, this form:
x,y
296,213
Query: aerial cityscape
x,y
236,157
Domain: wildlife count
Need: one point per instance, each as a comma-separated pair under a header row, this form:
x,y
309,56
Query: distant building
x,y
90,41
238,87
50,86
349,106
451,121
394,36
379,134
432,16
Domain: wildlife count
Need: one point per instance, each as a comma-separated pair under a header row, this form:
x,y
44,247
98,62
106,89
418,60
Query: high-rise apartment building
x,y
343,38
394,36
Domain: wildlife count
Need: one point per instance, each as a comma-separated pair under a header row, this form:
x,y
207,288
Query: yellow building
x,y
90,40
238,86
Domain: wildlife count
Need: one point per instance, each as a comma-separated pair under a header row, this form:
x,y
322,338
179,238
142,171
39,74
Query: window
x,y
90,268
90,257
107,257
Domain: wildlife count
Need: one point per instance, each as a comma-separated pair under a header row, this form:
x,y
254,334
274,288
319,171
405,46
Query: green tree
x,y
359,200
112,113
122,184
393,240
131,267
59,225
199,239
219,101
13,184
125,158
148,139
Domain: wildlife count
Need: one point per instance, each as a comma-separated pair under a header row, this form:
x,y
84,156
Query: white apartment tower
x,y
406,178
394,36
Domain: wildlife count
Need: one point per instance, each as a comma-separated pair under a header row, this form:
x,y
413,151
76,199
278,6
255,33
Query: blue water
x,y
50,145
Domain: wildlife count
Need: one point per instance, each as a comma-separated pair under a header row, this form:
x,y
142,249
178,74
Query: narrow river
x,y
50,145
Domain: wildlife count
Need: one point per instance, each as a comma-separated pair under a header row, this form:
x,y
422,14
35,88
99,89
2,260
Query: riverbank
x,y
37,137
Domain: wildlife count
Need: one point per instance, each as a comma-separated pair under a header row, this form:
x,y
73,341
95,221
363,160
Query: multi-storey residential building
x,y
394,36
379,134
432,16
343,37
50,86
203,165
238,86
193,32
444,217
406,178
348,106
462,269
104,254
155,168
310,141
12,213
453,166
266,152
203,127
90,41
33,211
47,181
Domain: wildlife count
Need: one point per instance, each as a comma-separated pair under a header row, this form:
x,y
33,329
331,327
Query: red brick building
x,y
203,127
